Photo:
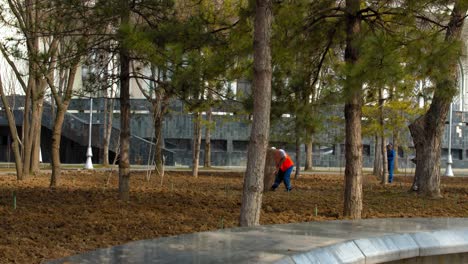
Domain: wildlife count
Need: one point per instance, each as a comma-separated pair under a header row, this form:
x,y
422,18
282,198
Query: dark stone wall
x,y
230,136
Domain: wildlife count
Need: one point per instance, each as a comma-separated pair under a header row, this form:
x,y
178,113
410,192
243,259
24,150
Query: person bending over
x,y
284,167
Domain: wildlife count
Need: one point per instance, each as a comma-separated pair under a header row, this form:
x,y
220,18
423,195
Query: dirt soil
x,y
84,214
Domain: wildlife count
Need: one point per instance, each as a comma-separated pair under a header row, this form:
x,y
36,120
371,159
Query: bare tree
x,y
13,131
31,17
156,91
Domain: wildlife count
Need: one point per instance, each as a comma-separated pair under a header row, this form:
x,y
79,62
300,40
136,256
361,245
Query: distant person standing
x,y
390,160
284,167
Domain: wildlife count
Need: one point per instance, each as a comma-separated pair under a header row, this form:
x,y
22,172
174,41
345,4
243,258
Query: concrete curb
x,y
387,248
346,241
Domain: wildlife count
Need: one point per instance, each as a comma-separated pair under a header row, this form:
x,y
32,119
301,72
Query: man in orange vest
x,y
284,167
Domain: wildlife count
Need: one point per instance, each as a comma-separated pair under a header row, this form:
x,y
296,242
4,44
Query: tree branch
x,y
14,68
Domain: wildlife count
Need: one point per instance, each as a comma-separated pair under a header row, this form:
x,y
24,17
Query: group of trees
x,y
381,48
172,49
301,56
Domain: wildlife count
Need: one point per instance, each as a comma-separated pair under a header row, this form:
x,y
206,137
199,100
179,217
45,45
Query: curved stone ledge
x,y
388,248
361,241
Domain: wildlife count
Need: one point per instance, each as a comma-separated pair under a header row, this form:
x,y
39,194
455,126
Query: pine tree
x,y
253,180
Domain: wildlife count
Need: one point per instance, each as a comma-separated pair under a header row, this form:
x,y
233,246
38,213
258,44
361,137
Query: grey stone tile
x,y
442,242
346,252
388,248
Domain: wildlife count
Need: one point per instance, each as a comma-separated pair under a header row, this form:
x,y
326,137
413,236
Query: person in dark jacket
x,y
390,160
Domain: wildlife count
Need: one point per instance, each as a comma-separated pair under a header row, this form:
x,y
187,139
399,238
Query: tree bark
x,y
62,106
270,167
207,158
159,110
108,116
124,161
36,147
298,154
30,31
384,171
108,109
396,145
383,149
253,180
427,130
13,132
309,155
196,143
377,157
27,123
158,148
353,114
56,137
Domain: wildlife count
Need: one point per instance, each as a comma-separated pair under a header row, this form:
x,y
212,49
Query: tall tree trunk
x,y
13,132
377,157
56,138
196,143
158,148
107,130
353,114
27,124
108,111
32,86
207,158
124,161
160,103
383,172
253,180
36,147
396,145
298,152
33,135
309,157
427,130
62,106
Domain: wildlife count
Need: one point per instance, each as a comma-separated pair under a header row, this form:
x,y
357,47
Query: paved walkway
x,y
361,241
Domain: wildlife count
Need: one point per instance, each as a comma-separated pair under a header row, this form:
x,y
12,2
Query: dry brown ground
x,y
83,214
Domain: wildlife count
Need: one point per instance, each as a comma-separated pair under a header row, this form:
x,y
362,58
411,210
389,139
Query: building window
x,y
4,140
366,150
457,154
238,145
178,144
219,145
216,145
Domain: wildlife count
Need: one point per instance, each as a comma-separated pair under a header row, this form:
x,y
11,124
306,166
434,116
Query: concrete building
x,y
229,139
